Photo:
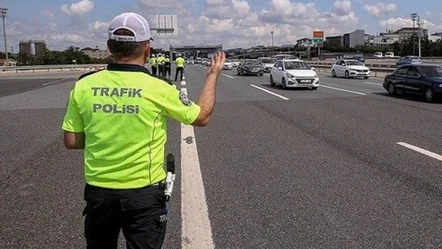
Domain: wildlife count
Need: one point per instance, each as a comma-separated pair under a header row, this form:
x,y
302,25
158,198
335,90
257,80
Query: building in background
x,y
96,53
334,41
406,33
346,40
384,39
33,48
357,38
304,42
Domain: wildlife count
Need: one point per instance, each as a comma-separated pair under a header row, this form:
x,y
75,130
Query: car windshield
x,y
268,61
432,71
354,63
296,65
250,63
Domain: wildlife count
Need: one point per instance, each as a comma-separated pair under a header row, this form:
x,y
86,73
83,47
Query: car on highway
x,y
389,55
410,59
293,73
228,65
267,63
420,79
378,55
350,69
250,67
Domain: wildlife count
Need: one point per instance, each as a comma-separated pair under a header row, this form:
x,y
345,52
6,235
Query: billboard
x,y
318,37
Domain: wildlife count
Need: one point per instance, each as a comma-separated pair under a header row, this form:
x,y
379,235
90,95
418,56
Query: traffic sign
x,y
318,37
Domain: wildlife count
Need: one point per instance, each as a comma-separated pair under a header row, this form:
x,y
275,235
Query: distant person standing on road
x,y
167,65
160,62
179,67
119,117
153,64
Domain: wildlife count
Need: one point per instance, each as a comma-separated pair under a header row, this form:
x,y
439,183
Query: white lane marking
x,y
228,76
267,91
420,150
196,229
183,83
343,90
371,83
53,82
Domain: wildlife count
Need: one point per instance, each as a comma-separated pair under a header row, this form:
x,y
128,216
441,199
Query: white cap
x,y
133,22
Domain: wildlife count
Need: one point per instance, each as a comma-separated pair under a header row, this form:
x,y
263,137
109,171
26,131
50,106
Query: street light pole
x,y
413,18
419,35
3,12
272,32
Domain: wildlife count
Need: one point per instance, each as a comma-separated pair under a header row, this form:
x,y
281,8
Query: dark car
x,y
359,58
408,60
250,67
416,79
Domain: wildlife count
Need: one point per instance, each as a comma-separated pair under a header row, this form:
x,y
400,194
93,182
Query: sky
x,y
233,23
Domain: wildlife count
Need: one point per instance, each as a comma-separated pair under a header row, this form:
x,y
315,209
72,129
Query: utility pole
x,y
413,18
419,35
3,12
272,32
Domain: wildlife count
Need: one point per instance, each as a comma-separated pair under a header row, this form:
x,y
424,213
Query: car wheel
x,y
391,89
429,95
334,73
347,75
272,83
239,72
261,74
283,84
314,88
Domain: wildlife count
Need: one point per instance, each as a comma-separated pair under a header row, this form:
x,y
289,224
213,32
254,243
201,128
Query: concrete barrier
x,y
49,68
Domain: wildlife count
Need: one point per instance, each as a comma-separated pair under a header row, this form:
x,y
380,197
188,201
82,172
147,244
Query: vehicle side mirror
x,y
313,68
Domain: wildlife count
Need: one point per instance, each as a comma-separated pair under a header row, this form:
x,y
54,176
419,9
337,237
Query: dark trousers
x,y
140,213
167,72
154,70
181,71
161,70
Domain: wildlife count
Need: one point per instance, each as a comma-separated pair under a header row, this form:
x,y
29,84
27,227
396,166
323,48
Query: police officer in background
x,y
118,117
179,67
153,64
167,67
160,63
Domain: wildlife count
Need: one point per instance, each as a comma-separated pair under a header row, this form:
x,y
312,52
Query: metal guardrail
x,y
69,67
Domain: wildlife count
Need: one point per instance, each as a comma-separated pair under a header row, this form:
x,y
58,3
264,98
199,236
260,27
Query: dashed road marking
x,y
420,150
269,92
343,90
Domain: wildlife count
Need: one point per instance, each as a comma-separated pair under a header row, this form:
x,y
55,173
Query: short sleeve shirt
x,y
179,62
123,112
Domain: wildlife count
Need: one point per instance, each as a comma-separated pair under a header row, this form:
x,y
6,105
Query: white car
x,y
293,73
350,69
235,63
228,65
267,63
378,55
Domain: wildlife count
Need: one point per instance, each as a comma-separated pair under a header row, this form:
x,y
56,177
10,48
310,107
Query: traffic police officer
x,y
167,65
153,64
179,67
119,117
160,62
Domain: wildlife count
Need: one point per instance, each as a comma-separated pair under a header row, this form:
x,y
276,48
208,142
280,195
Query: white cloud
x,y
48,13
98,26
342,7
380,9
216,2
80,8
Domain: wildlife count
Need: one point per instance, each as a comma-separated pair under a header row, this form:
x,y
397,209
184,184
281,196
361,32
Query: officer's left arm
x,y
74,140
179,107
73,125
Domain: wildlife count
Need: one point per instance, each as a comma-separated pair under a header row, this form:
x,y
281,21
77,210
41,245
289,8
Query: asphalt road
x,y
322,169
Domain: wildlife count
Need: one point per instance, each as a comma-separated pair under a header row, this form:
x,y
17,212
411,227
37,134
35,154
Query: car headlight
x,y
440,85
316,76
290,76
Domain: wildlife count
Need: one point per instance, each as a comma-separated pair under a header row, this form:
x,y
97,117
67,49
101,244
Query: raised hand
x,y
217,63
